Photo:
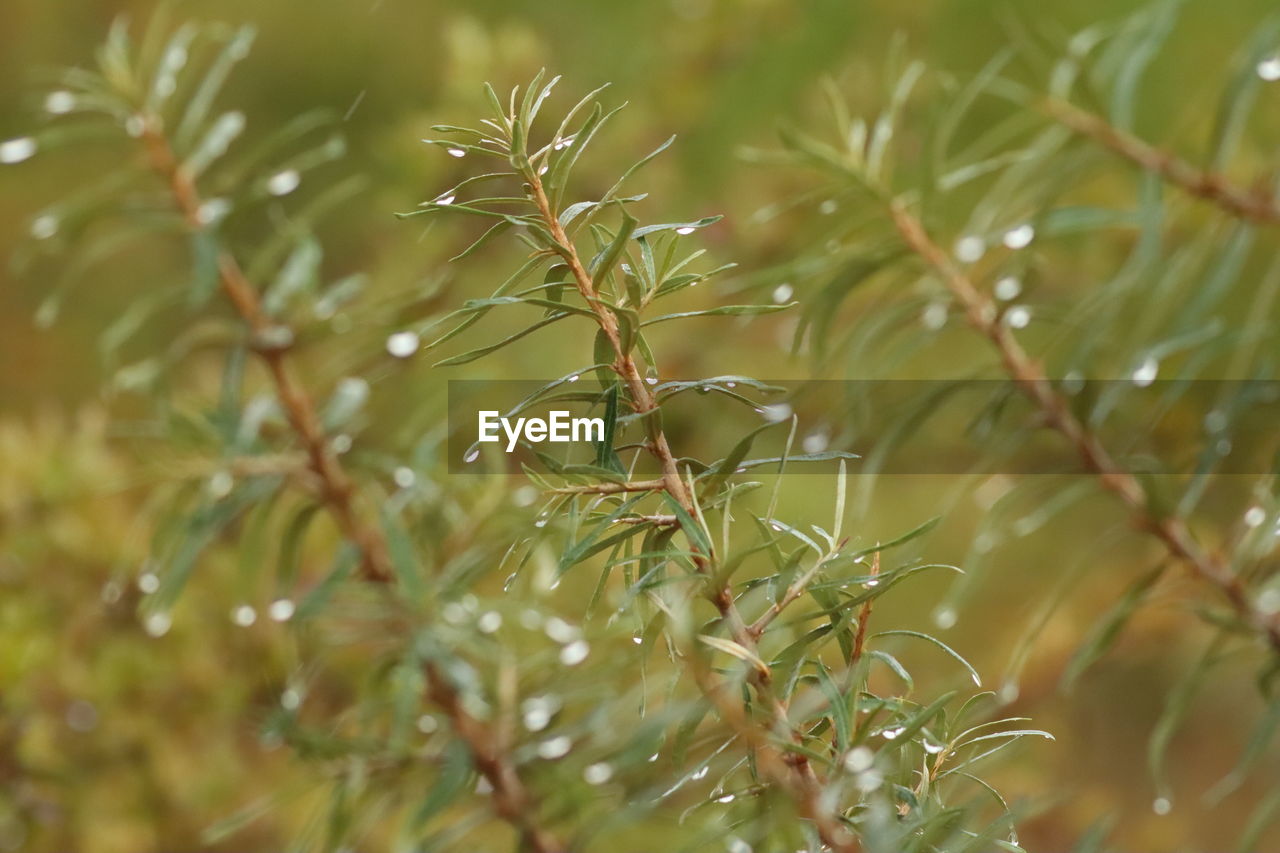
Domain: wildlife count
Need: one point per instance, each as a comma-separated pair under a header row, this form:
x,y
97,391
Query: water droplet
x,y
1145,373
290,700
560,630
574,653
637,640
737,845
17,150
1018,317
815,442
244,615
536,712
402,344
872,583
1162,806
281,610
221,484
111,592
543,170
933,748
782,293
563,143
283,183
1020,237
274,338
858,759
700,772
44,226
1269,69
445,200
213,211
687,229
81,716
456,152
970,249
59,103
934,316
890,734
597,774
472,456
489,622
158,624
870,781
1255,516
148,583
945,618
427,724
404,476
776,412
652,380
556,747
1269,601
1008,288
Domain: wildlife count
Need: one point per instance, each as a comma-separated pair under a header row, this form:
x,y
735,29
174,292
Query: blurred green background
x,y
101,726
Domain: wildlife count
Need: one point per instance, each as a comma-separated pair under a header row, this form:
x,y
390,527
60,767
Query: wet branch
x,y
1030,378
799,779
1257,205
511,798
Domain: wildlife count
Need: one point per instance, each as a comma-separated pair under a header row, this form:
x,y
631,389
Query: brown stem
x,y
1030,378
612,488
801,779
511,799
864,617
1255,205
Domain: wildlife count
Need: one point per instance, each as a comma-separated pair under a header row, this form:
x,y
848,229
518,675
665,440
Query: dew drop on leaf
x,y
284,182
402,344
281,610
17,150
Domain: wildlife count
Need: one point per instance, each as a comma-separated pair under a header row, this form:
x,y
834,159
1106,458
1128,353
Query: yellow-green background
x,y
174,742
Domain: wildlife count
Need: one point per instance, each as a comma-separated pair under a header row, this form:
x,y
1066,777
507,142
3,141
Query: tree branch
x,y
1030,378
1255,205
800,781
511,799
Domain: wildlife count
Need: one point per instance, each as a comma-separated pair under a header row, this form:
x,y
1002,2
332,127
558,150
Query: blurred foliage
x,y
275,705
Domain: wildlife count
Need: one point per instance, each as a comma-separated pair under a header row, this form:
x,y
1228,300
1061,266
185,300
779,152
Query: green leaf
x,y
722,311
973,673
606,456
481,352
676,226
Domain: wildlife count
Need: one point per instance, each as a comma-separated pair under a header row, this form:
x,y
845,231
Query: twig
x,y
801,780
794,591
864,616
511,799
1030,378
1255,205
611,488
